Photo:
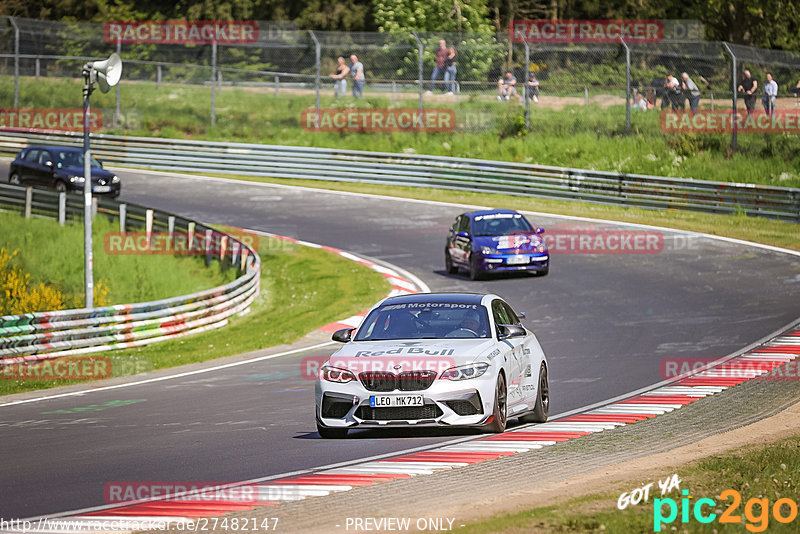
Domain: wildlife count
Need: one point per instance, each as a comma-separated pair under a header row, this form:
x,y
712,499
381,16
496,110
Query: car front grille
x,y
428,411
335,408
405,381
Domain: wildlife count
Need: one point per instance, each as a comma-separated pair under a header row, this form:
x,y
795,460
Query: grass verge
x,y
757,229
591,137
762,475
302,288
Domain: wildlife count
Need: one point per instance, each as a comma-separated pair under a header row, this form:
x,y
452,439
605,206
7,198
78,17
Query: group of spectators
x,y
355,70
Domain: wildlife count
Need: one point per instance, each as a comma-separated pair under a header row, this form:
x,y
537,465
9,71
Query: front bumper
x,y
112,189
514,262
446,403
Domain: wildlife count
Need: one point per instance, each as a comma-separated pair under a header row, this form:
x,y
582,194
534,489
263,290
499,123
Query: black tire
x,y
14,179
543,272
474,272
500,411
542,408
326,432
61,187
448,263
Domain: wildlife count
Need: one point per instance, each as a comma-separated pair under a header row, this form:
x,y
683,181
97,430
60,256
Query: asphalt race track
x,y
606,322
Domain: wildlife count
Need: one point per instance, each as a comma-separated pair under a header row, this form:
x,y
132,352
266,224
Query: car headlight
x,y
76,178
115,179
465,372
335,374
489,250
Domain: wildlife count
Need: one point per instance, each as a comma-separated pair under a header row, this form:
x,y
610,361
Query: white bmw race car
x,y
433,359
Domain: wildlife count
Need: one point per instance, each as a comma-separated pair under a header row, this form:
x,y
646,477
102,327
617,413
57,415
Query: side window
x,y
45,157
499,314
456,223
32,156
464,224
512,317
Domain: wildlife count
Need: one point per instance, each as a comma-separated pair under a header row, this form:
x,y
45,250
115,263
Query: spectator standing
x,y
357,72
673,92
533,87
770,94
797,93
340,77
641,102
507,86
450,71
690,88
748,86
439,69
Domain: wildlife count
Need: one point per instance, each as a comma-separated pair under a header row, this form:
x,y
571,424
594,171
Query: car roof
x,y
477,213
63,148
456,298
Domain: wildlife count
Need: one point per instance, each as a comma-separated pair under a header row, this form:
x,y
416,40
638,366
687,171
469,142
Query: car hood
x,y
522,242
97,173
435,354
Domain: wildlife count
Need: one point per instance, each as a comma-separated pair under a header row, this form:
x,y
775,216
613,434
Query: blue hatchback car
x,y
497,240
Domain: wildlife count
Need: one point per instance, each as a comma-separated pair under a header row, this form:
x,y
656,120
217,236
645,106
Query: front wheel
x,y
14,179
500,412
61,187
327,432
448,263
474,271
542,407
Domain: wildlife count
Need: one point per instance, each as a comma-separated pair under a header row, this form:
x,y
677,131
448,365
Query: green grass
x,y
757,229
302,288
756,472
53,255
575,136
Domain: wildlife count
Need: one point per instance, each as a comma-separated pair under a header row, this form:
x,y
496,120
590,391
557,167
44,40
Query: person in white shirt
x,y
770,94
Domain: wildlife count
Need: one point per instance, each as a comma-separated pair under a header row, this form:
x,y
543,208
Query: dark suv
x,y
60,168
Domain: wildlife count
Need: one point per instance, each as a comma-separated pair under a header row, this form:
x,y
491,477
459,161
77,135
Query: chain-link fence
x,y
487,80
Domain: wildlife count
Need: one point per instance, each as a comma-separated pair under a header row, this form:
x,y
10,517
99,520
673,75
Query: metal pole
x,y
317,78
527,77
158,77
627,85
735,94
213,83
87,194
117,113
16,61
420,49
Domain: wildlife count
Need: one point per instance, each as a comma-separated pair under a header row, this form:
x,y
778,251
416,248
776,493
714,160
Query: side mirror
x,y
48,164
539,230
463,234
521,315
101,166
343,335
511,330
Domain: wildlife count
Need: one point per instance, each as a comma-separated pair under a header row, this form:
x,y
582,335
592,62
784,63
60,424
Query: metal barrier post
x,y
420,49
277,85
527,76
117,113
735,94
585,96
171,227
16,61
62,208
213,82
148,225
316,78
123,212
37,62
28,201
158,76
627,85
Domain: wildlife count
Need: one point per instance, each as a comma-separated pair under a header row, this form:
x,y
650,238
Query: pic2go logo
x,y
756,511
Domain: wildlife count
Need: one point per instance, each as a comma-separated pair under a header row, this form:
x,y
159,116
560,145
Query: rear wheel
x,y
448,263
61,187
500,412
542,407
326,432
14,179
474,271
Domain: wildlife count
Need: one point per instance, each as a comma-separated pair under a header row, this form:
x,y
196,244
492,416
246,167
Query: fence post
x,y
394,92
420,49
28,201
585,96
213,82
62,208
316,78
527,75
627,85
116,108
38,67
712,100
123,212
16,61
158,76
735,94
277,85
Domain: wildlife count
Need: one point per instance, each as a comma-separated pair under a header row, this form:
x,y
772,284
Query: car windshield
x,y
500,224
72,158
425,320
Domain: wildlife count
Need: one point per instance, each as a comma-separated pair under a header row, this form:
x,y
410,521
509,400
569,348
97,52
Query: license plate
x,y
516,260
395,401
102,189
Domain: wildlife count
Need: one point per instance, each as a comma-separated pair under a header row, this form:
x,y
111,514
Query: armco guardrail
x,y
36,336
430,171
